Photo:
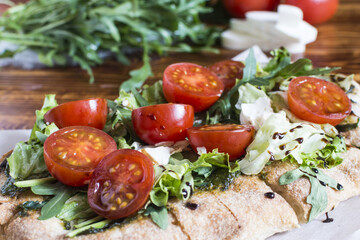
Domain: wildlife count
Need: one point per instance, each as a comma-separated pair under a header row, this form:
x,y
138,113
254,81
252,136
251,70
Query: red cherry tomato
x,y
72,153
90,112
238,8
319,101
230,138
316,11
121,184
228,71
191,84
162,122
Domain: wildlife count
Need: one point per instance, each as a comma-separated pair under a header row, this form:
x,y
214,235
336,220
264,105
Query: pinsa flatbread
x,y
292,170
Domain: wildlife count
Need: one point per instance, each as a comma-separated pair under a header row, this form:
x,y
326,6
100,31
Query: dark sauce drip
x,y
191,187
282,146
325,140
315,170
287,152
191,206
184,193
279,135
339,186
272,158
328,220
322,183
270,195
299,140
152,116
293,129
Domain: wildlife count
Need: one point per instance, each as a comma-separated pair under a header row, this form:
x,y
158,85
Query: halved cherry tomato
x,y
319,101
162,122
229,138
72,153
228,71
316,11
90,112
191,84
121,184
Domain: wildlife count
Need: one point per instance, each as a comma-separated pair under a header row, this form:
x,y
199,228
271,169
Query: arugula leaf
x,y
318,180
56,204
159,215
76,208
83,30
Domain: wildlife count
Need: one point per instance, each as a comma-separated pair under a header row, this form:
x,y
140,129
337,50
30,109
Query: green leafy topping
x,y
159,215
318,180
26,160
153,94
40,125
76,208
29,206
55,205
83,30
327,157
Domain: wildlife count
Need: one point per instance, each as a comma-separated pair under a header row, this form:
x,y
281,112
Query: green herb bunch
x,y
83,30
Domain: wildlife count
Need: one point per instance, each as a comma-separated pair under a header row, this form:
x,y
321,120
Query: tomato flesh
x,y
90,112
191,84
319,101
162,122
316,11
121,184
229,138
228,71
72,153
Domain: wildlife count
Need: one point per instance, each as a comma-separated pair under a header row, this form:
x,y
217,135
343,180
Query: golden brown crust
x,y
259,216
210,220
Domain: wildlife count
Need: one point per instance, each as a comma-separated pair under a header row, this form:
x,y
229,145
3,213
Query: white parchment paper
x,y
346,224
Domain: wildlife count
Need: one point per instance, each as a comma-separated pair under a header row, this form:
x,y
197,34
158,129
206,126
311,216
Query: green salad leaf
x,y
26,160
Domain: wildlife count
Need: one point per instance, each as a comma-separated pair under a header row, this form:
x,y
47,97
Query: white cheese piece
x,y
256,113
291,24
260,56
236,41
159,155
201,150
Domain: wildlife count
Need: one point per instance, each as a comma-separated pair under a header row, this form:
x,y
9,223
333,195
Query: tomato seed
x,y
112,170
113,208
124,204
137,173
129,196
106,183
118,201
131,167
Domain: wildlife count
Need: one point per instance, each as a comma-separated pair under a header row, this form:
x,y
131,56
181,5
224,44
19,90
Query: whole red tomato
x,y
316,11
238,8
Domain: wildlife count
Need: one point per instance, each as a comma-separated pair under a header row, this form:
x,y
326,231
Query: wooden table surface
x,y
22,91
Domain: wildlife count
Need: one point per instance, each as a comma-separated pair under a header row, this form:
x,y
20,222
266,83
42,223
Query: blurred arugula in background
x,y
83,30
